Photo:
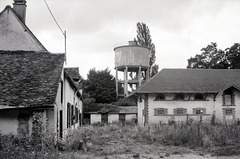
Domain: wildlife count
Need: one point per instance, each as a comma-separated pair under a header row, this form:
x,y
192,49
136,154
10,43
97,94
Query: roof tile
x,y
29,79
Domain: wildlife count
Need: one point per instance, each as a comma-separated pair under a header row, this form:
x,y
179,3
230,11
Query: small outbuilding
x,y
115,114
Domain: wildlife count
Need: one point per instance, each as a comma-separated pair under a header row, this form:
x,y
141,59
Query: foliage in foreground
x,y
220,139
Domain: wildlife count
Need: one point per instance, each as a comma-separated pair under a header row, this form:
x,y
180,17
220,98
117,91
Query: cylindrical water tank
x,y
131,55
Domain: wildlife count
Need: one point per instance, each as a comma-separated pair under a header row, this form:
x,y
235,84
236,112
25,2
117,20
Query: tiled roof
x,y
29,79
73,72
128,109
114,109
191,81
15,35
75,85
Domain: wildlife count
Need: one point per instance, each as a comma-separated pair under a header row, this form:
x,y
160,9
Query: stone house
x,y
190,94
33,82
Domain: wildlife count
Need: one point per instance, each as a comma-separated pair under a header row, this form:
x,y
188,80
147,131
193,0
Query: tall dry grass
x,y
192,135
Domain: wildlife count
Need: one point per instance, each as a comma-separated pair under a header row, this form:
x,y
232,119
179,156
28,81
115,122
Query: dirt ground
x,y
115,145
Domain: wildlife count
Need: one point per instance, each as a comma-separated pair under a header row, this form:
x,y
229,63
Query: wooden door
x,y
104,118
122,118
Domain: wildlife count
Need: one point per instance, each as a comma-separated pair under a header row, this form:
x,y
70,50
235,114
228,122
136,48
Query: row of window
x,y
181,97
228,97
180,111
73,115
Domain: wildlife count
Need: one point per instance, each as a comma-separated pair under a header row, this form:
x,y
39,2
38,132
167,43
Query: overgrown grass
x,y
12,146
220,139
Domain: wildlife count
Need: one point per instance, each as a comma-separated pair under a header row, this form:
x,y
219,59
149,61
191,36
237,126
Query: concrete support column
x,y
147,74
139,76
126,82
116,79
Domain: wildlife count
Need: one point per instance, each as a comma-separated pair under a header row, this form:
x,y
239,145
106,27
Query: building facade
x,y
33,83
190,95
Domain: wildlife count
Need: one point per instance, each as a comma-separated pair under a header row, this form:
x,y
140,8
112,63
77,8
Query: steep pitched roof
x,y
191,81
29,79
15,35
75,85
73,72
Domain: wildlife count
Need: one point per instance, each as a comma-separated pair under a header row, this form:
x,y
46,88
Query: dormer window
x,y
199,97
179,97
228,97
160,97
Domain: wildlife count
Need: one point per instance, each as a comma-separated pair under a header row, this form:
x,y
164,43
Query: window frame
x,y
228,92
199,95
176,111
160,96
179,97
164,111
195,110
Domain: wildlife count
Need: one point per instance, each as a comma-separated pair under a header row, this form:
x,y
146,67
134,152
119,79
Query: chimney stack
x,y
19,7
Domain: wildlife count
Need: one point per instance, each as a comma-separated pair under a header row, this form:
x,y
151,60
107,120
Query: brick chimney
x,y
19,7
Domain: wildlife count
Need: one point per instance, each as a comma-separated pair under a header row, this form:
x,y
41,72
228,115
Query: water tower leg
x,y
147,74
126,82
139,76
116,83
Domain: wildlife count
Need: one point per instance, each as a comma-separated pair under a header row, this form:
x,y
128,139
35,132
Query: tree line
x,y
212,57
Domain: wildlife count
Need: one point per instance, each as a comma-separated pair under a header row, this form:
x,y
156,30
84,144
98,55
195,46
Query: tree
x,y
144,39
214,58
233,56
211,57
100,85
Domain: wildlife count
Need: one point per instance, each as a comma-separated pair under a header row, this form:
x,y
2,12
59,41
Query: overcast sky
x,y
179,28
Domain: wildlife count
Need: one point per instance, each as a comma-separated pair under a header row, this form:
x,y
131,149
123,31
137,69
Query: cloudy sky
x,y
179,28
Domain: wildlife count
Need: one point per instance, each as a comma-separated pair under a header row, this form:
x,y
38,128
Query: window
x,y
179,97
229,114
228,97
199,111
72,115
180,111
199,97
68,115
61,83
160,97
104,118
76,114
228,111
160,111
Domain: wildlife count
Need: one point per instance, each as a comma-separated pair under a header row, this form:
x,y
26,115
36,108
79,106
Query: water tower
x,y
132,67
